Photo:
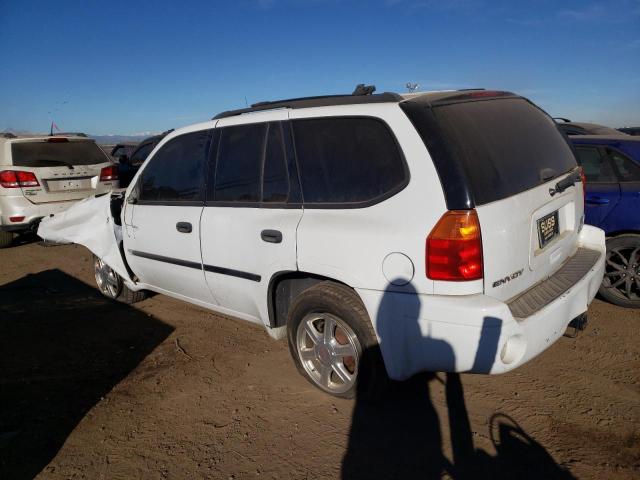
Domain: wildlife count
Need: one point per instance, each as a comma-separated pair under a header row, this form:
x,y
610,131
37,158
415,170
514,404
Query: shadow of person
x,y
400,435
64,347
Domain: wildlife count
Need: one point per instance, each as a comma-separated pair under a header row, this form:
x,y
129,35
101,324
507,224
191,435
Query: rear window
x,y
494,148
46,154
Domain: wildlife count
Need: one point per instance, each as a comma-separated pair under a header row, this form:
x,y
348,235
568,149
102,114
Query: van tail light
x,y
109,173
18,179
454,248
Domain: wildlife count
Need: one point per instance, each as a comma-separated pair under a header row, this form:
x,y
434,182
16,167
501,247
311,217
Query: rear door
x,y
252,212
508,158
603,188
162,226
66,169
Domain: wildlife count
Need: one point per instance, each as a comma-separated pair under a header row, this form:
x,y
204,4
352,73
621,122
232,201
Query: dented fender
x,y
90,223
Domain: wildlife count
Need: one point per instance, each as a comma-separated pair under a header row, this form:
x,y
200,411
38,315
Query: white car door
x,y
162,218
252,212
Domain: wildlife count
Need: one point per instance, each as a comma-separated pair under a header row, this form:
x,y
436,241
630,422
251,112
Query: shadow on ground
x,y
399,436
62,348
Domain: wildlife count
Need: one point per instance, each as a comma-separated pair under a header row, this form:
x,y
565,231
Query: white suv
x,y
383,234
44,175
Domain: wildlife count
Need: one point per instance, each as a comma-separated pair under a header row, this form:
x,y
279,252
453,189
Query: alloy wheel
x,y
108,281
622,272
329,351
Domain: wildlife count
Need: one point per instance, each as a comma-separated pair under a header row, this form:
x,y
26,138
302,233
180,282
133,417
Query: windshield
x,y
49,154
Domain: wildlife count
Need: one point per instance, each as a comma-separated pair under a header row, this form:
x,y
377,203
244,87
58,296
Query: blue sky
x,y
126,67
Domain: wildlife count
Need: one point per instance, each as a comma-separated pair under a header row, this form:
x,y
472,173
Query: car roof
x,y
428,98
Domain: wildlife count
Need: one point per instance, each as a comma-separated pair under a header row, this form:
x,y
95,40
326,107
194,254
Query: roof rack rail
x,y
562,119
361,94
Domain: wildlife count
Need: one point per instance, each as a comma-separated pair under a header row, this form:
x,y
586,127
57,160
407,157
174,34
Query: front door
x,y
162,218
252,213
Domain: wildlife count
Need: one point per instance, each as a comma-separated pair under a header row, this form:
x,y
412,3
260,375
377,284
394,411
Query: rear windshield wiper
x,y
565,183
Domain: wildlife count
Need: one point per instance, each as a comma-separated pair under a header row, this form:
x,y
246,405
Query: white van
x,y
384,234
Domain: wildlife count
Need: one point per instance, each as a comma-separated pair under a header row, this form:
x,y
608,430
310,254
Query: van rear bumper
x,y
19,206
475,333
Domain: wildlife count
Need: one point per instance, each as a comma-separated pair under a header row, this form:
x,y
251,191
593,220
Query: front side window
x,y
597,169
627,169
347,160
176,172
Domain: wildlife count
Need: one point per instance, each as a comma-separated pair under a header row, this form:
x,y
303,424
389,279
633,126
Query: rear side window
x,y
347,160
52,154
176,172
254,165
597,169
239,164
491,149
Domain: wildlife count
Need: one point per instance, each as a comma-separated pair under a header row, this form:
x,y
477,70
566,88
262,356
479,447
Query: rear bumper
x,y
474,333
18,206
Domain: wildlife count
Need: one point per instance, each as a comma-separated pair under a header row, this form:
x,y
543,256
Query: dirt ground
x,y
97,390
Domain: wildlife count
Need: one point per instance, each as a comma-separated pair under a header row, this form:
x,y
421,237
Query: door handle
x,y
184,227
271,236
597,200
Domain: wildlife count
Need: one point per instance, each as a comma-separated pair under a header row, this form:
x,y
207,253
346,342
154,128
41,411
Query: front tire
x,y
621,282
112,286
333,343
6,239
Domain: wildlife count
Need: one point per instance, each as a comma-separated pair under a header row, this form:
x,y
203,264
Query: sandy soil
x,y
98,390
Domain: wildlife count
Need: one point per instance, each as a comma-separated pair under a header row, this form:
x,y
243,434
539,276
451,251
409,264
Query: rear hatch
x,y
503,156
66,169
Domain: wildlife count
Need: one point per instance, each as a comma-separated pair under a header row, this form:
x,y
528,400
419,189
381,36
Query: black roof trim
x,y
319,101
458,96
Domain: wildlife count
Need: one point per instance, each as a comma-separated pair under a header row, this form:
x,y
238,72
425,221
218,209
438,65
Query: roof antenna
x,y
245,102
412,87
362,89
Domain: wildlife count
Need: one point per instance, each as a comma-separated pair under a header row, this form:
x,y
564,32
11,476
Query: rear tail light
x,y
454,248
109,173
16,219
18,179
57,140
583,179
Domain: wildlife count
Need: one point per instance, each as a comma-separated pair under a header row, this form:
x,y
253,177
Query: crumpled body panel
x,y
89,223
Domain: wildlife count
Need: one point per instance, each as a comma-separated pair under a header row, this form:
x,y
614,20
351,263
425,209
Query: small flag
x,y
53,125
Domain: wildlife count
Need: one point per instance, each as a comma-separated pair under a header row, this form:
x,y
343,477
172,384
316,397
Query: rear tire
x,y
621,282
112,286
6,239
345,359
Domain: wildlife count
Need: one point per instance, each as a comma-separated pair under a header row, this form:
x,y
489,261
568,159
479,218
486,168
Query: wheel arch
x,y
617,233
284,286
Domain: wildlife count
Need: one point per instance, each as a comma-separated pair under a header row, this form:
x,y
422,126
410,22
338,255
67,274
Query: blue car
x,y
612,168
